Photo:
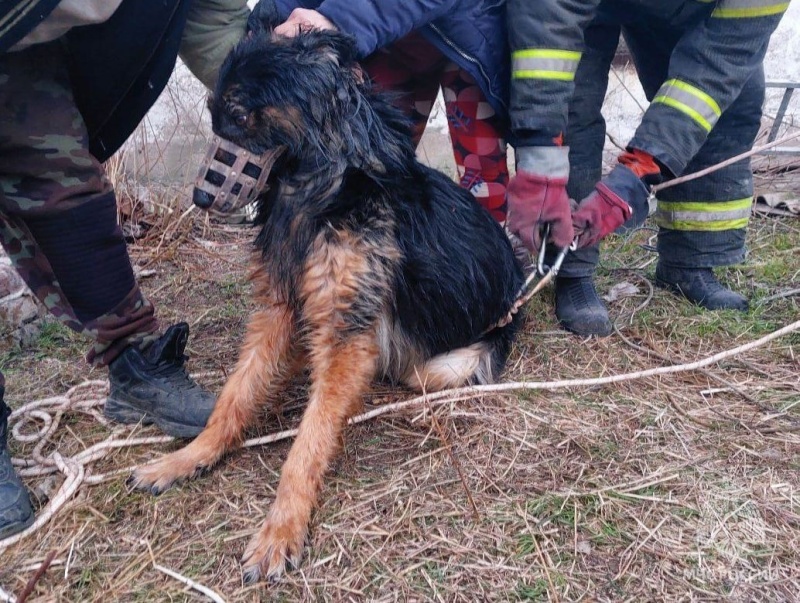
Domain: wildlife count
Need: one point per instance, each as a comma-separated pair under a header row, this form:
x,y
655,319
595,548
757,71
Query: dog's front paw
x,y
164,473
278,546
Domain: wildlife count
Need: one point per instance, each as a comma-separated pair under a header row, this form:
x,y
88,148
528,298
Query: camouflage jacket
x,y
119,67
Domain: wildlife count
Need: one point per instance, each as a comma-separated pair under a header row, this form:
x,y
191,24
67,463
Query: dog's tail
x,y
478,364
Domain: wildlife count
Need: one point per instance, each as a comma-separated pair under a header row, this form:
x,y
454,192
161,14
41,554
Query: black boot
x,y
16,513
699,285
579,309
153,387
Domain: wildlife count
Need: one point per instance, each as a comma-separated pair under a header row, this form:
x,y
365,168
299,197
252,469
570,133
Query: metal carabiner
x,y
543,269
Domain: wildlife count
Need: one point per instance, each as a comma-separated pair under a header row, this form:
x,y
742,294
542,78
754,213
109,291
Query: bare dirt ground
x,y
676,487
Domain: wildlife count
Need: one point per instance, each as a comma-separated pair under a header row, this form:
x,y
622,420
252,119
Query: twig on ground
x,y
782,294
191,583
23,596
552,593
456,463
628,562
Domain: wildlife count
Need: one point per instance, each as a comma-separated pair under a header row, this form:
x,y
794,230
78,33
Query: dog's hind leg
x,y
343,354
478,364
264,364
471,364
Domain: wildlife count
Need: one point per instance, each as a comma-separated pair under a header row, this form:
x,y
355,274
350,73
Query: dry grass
x,y
675,488
682,487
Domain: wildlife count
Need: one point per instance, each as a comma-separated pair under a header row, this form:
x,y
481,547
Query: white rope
x,y
90,394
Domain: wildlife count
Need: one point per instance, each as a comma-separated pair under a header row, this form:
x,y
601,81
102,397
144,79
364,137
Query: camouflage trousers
x,y
58,216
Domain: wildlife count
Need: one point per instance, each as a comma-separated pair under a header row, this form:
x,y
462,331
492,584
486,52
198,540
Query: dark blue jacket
x,y
472,33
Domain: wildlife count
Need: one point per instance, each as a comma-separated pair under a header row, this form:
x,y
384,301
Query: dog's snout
x,y
202,199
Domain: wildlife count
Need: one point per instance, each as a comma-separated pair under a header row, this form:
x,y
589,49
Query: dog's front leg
x,y
342,353
341,374
265,362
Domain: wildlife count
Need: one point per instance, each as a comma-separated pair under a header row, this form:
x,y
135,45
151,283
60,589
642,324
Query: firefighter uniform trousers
x,y
702,223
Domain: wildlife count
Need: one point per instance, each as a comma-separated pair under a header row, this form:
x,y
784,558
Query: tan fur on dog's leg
x,y
343,363
262,369
340,377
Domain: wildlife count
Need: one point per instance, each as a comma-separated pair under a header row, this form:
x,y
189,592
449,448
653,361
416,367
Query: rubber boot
x,y
16,512
579,308
700,286
154,387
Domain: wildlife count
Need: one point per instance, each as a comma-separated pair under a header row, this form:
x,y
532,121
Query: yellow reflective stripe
x,y
704,216
748,9
545,63
546,53
685,109
702,226
690,100
541,74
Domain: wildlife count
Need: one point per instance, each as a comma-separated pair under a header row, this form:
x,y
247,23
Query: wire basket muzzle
x,y
231,177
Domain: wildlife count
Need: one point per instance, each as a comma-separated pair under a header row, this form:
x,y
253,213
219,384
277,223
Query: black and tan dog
x,y
368,265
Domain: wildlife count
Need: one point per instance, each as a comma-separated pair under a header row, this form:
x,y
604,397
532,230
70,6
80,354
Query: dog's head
x,y
300,102
276,99
285,93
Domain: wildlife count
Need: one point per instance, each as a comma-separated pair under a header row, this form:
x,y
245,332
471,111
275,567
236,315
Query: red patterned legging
x,y
414,69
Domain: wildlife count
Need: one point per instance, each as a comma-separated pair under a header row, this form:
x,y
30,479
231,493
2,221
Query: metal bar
x,y
783,84
787,96
782,151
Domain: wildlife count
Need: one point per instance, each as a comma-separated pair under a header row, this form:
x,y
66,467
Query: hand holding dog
x,y
303,19
537,195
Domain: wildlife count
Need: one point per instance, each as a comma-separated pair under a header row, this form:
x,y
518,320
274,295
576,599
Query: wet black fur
x,y
350,165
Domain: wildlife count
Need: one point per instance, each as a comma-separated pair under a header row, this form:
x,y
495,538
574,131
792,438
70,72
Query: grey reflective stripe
x,y
545,63
690,100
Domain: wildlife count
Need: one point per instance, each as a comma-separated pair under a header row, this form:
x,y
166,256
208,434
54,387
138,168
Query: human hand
x,y
303,19
537,195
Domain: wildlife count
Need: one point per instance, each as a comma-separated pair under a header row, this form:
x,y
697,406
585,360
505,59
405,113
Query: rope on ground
x,y
89,395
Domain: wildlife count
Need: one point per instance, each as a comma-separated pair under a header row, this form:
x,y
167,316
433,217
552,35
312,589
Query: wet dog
x,y
367,265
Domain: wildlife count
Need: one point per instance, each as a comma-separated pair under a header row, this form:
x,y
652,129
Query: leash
x,y
545,273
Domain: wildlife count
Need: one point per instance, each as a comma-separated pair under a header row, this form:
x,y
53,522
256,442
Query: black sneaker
x,y
16,512
154,387
579,309
700,286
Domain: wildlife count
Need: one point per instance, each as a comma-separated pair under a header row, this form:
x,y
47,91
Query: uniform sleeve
x,y
708,69
378,23
213,27
546,38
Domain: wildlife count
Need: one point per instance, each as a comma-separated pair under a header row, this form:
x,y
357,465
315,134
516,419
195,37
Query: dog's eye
x,y
240,119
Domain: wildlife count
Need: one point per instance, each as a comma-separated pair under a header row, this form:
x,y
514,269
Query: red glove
x,y
534,201
616,198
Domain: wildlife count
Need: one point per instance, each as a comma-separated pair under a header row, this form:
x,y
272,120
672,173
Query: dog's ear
x,y
263,18
344,47
337,46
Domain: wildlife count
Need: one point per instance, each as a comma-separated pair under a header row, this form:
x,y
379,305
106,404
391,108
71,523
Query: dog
x,y
368,265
